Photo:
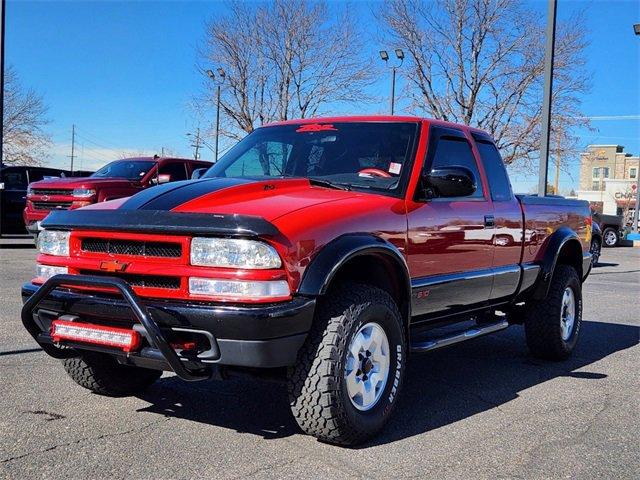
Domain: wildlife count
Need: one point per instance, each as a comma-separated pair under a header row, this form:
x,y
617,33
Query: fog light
x,y
122,338
45,272
241,289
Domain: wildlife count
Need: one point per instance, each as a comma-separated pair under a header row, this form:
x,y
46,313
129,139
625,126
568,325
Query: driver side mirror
x,y
197,173
449,182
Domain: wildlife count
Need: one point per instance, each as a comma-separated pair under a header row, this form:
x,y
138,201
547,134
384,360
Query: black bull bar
x,y
154,334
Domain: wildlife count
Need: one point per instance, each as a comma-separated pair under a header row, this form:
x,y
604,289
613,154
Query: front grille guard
x,y
139,310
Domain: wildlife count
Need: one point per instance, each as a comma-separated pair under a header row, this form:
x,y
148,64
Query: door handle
x,y
489,221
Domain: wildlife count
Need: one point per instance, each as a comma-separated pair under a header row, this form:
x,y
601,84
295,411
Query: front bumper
x,y
247,336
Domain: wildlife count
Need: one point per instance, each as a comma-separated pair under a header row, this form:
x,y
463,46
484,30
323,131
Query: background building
x,y
609,179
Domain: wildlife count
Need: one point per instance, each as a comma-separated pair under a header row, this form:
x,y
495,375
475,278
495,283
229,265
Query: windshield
x,y
360,155
129,169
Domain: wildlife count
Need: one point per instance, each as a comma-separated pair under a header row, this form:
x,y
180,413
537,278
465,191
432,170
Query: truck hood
x,y
268,199
81,182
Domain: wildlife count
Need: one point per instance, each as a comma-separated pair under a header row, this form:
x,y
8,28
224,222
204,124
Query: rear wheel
x,y
552,325
348,375
610,237
102,374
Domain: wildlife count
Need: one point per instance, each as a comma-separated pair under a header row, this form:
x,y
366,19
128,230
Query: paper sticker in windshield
x,y
395,168
316,127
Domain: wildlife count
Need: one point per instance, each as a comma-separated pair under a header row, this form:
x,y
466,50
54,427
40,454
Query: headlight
x,y
245,289
83,192
233,253
54,243
45,272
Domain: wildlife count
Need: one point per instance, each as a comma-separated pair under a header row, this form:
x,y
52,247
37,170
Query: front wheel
x,y
553,324
610,237
103,375
349,372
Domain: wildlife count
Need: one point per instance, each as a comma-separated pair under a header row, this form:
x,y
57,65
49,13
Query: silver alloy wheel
x,y
610,238
567,313
367,366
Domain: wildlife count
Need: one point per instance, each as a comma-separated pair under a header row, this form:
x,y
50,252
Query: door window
x,y
456,152
177,171
14,180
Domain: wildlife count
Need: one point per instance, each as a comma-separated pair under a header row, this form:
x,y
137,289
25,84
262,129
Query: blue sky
x,y
125,72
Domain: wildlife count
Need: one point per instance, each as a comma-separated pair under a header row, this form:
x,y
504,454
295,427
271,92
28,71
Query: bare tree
x,y
284,59
480,63
25,141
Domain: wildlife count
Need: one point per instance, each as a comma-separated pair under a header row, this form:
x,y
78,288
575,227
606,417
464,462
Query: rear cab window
x,y
499,183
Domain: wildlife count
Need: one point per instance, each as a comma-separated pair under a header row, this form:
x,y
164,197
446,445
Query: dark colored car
x,y
596,243
325,251
121,178
14,181
612,228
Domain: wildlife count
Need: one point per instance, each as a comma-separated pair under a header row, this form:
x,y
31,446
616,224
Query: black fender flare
x,y
552,247
324,266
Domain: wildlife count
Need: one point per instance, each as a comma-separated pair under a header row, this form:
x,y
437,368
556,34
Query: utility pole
x,y
196,145
556,183
546,103
73,146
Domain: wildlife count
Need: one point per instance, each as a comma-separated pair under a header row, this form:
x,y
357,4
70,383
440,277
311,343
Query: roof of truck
x,y
372,118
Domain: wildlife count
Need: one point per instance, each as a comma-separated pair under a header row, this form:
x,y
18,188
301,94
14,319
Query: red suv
x,y
121,178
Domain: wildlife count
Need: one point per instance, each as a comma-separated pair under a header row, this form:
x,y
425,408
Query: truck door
x,y
508,220
450,240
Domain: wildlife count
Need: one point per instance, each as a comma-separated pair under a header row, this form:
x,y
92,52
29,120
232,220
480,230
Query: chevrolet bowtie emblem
x,y
113,266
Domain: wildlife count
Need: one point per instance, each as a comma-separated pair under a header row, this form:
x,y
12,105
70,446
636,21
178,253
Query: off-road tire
x,y
316,386
542,323
103,375
605,236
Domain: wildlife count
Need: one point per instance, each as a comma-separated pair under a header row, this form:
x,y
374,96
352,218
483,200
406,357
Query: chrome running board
x,y
445,341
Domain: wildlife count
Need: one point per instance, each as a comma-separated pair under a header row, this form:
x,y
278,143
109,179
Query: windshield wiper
x,y
328,184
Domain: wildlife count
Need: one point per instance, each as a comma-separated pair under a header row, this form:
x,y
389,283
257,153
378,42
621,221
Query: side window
x,y
496,172
266,159
456,152
14,179
178,171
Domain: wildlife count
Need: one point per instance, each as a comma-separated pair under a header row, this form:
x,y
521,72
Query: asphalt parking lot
x,y
484,409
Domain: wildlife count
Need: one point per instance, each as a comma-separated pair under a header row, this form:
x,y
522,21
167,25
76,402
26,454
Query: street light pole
x,y
385,57
2,16
217,121
546,104
222,75
636,30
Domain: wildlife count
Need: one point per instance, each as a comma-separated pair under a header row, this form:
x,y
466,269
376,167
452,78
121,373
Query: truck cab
x,y
120,178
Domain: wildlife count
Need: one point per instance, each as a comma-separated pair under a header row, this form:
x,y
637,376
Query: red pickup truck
x,y
325,251
121,178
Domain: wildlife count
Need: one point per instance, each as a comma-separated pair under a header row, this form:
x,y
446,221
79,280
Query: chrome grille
x,y
51,192
148,281
40,205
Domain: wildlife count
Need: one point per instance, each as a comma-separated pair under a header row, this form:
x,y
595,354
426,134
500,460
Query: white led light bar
x,y
122,338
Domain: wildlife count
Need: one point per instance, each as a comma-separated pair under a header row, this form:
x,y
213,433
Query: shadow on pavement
x,y
443,387
605,264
